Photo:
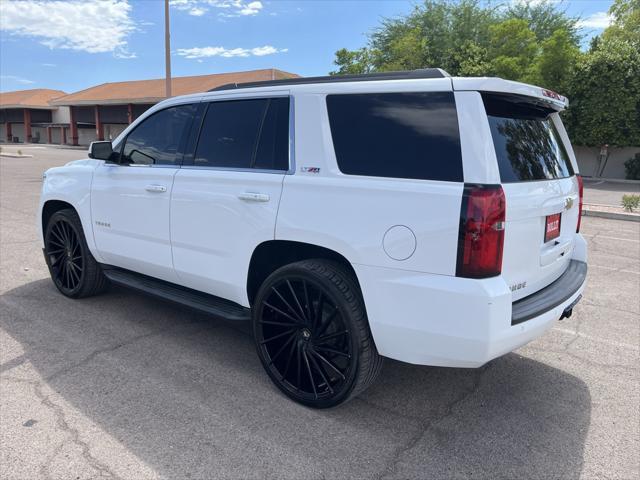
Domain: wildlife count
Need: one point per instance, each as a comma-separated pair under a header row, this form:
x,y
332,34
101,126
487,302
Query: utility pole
x,y
167,50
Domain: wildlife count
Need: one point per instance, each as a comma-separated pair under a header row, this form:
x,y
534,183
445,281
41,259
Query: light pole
x,y
167,50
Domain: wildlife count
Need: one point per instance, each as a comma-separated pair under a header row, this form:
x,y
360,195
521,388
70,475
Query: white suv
x,y
416,216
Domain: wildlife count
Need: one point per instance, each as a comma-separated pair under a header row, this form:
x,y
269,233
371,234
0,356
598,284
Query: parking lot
x,y
125,386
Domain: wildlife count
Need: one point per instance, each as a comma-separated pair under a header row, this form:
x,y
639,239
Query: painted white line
x,y
613,268
612,238
629,346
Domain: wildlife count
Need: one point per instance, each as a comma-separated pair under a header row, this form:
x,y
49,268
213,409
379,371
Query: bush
x,y
630,202
632,167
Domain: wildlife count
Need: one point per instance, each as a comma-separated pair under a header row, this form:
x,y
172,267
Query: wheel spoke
x,y
317,317
283,324
284,345
288,364
322,340
55,230
306,299
287,304
55,241
327,322
286,332
67,274
267,304
313,383
299,362
315,364
331,365
75,276
295,297
331,350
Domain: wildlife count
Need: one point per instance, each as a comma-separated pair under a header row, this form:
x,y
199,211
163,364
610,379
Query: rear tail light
x,y
581,193
481,236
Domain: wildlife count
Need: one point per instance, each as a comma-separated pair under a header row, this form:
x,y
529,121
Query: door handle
x,y
254,197
155,188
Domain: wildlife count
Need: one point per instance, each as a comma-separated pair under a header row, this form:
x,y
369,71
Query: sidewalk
x,y
603,198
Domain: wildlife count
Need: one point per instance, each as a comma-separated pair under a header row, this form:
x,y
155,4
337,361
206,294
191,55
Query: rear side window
x,y
245,134
397,135
527,143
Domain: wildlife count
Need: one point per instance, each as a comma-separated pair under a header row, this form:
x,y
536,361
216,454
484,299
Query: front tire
x,y
312,334
73,269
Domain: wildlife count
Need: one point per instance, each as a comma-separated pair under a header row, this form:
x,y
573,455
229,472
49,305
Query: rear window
x,y
526,141
398,135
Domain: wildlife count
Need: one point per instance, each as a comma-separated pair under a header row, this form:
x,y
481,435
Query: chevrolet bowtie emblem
x,y
568,203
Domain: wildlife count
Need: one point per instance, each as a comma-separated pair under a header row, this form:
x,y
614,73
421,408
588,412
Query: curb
x,y
15,155
601,180
611,215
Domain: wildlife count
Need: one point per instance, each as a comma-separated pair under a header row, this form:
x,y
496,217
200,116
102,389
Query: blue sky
x,y
71,45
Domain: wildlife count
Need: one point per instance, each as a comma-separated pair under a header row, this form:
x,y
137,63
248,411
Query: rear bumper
x,y
455,322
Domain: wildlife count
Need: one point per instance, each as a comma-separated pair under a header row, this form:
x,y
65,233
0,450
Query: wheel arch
x,y
49,208
268,256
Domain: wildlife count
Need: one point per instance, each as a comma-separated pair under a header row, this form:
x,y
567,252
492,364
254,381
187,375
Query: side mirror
x,y
100,150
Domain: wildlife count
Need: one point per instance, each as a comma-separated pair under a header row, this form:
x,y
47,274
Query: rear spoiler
x,y
498,85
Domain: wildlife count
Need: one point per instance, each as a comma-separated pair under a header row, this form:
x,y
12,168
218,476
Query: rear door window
x,y
528,146
397,135
245,134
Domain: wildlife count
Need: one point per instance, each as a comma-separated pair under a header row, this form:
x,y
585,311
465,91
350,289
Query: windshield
x,y
526,141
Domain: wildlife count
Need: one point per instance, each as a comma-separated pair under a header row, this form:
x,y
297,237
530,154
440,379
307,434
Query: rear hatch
x,y
540,187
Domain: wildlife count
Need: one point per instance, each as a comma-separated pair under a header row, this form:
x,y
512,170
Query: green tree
x,y
555,65
512,49
436,33
605,96
544,18
626,21
352,61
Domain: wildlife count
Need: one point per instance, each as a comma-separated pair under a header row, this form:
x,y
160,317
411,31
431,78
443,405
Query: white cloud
x,y
230,8
13,78
49,65
205,52
598,20
197,11
94,26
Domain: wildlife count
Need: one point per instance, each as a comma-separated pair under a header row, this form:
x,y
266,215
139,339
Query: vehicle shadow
x,y
186,395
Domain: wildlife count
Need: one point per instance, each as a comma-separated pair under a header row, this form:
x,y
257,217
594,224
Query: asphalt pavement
x,y
128,387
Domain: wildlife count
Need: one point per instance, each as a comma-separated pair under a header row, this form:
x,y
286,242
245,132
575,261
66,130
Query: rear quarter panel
x,y
351,214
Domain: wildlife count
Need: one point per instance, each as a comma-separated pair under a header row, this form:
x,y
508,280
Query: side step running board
x,y
210,304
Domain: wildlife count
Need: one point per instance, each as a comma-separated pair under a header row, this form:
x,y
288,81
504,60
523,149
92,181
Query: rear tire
x,y
73,269
312,334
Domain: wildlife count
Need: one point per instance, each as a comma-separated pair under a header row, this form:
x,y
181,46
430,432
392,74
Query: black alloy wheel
x,y
312,335
64,256
73,269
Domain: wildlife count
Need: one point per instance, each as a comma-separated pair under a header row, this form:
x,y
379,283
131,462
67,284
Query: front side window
x,y
158,140
245,134
397,135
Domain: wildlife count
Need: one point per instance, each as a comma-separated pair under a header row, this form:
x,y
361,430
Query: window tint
x,y
245,134
273,146
158,139
527,143
400,135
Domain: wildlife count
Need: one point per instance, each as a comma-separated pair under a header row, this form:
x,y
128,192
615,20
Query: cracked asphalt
x,y
127,387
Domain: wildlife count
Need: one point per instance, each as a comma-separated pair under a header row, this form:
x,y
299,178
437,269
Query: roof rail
x,y
367,77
